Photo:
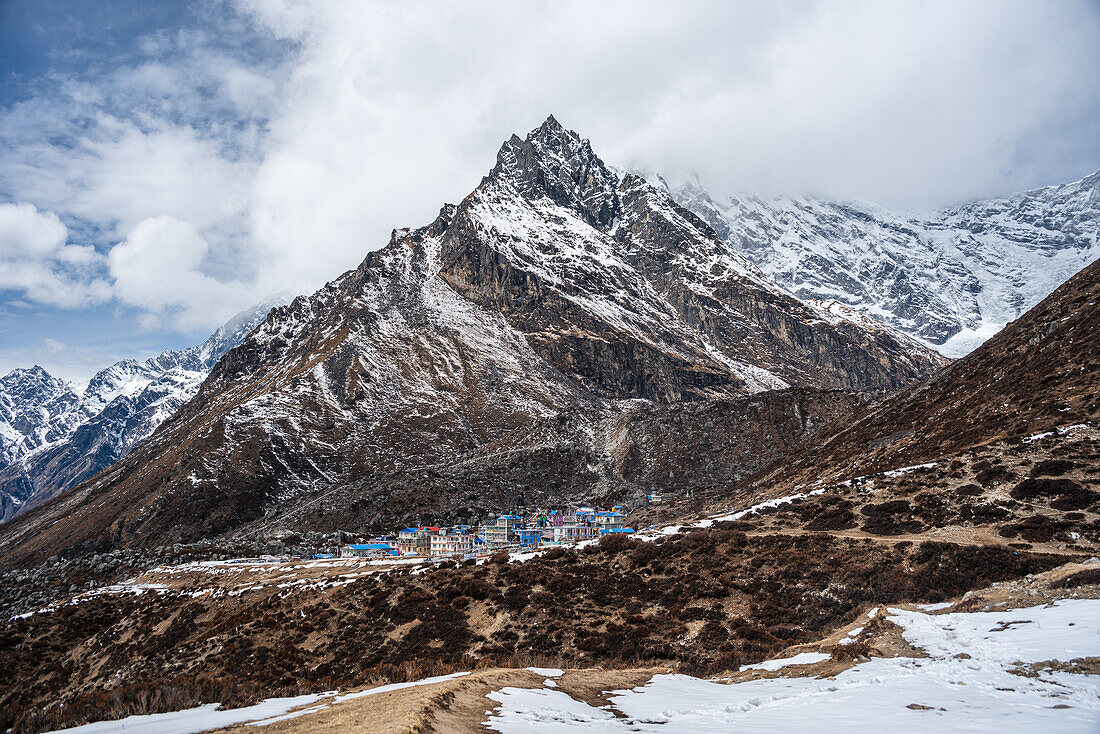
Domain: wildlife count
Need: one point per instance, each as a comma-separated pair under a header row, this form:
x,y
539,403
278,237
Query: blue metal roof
x,y
371,546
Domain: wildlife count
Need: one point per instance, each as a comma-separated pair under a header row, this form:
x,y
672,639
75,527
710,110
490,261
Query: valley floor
x,y
1016,656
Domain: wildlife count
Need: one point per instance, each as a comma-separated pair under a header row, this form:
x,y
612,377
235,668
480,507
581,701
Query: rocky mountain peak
x,y
31,386
559,164
32,378
949,278
33,409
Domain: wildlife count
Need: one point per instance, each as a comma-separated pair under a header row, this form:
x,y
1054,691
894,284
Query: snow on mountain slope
x,y
36,408
556,285
952,279
616,253
54,438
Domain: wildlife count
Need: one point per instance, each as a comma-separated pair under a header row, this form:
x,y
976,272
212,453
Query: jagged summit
x,y
35,409
559,164
35,372
53,437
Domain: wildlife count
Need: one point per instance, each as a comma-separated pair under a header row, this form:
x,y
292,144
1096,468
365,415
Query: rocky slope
x,y
1040,373
59,438
951,278
557,286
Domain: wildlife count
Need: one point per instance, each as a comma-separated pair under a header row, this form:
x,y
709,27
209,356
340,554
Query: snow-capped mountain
x,y
54,437
952,278
36,408
558,289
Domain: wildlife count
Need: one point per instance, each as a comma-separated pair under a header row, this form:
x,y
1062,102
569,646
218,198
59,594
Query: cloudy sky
x,y
164,165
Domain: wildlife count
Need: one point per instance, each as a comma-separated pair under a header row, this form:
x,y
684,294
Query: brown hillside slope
x,y
1001,447
1040,372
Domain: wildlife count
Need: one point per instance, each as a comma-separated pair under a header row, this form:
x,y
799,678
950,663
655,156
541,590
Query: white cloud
x,y
120,172
393,108
36,261
159,268
54,346
275,173
26,231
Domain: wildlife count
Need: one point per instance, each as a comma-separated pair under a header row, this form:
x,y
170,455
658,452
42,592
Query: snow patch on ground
x,y
802,658
724,517
191,721
1060,430
548,672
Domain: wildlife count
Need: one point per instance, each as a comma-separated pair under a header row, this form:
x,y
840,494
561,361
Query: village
x,y
506,532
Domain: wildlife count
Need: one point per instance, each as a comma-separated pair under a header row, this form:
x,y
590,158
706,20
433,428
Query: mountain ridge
x,y
1030,387
555,284
951,278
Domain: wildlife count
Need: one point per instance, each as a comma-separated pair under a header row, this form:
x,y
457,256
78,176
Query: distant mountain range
x,y
952,278
53,437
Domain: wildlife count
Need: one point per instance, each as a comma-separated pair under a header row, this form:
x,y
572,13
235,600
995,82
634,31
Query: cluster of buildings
x,y
506,531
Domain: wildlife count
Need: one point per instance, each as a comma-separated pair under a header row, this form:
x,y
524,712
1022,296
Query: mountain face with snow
x,y
54,437
36,409
951,279
556,296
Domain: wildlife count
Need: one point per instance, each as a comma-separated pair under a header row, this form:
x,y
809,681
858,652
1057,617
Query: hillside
x,y
999,447
986,474
1037,374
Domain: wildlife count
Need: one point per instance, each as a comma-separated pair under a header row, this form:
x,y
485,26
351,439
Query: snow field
x,y
968,684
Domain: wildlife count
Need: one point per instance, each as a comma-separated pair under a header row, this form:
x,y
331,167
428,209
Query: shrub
x,y
615,543
981,513
987,474
852,651
644,552
833,518
1053,468
554,553
1065,494
1081,578
890,518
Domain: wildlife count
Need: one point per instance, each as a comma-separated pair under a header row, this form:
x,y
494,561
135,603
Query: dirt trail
x,y
455,706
